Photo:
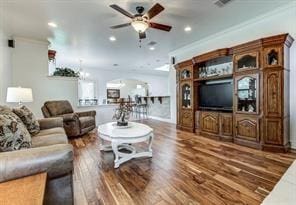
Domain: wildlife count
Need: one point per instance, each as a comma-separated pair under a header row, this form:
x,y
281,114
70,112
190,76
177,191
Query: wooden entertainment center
x,y
259,72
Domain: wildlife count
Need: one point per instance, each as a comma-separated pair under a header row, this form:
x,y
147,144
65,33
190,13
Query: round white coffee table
x,y
122,138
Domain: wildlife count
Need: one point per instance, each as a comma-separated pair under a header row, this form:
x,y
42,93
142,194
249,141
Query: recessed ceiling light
x,y
187,28
52,24
152,48
112,38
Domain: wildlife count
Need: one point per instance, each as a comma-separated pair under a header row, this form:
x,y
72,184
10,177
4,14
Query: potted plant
x,y
122,113
66,72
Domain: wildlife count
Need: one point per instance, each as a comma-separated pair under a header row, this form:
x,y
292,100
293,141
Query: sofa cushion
x,y
86,122
56,130
13,133
56,108
28,119
50,139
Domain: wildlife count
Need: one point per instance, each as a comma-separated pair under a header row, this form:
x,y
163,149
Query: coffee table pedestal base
x,y
121,157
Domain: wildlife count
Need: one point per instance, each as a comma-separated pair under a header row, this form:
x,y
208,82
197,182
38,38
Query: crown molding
x,y
277,11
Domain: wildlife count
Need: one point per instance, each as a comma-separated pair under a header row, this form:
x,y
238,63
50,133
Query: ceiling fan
x,y
140,22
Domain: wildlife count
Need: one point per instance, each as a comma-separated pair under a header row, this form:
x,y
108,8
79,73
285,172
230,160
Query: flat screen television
x,y
216,95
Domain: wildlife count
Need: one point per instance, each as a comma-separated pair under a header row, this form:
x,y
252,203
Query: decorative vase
x,y
51,55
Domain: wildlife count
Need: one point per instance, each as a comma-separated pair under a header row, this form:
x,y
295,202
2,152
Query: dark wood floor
x,y
185,169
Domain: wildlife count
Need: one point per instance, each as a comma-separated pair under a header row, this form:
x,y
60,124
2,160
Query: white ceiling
x,y
83,28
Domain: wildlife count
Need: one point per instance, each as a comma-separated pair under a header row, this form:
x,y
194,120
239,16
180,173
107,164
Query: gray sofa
x,y
50,153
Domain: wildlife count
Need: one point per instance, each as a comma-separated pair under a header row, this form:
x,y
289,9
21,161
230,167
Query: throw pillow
x,y
28,119
4,108
13,133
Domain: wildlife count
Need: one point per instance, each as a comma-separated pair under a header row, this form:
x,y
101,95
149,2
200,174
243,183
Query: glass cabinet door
x,y
186,95
247,94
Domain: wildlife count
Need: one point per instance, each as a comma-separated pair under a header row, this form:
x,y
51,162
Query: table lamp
x,y
19,95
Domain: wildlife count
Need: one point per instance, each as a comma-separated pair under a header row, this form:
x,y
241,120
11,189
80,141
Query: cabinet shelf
x,y
185,79
214,77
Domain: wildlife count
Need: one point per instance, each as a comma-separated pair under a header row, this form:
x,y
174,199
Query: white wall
x,y
279,21
5,65
30,69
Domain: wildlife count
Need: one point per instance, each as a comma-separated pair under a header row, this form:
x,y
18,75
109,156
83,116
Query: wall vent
x,y
221,3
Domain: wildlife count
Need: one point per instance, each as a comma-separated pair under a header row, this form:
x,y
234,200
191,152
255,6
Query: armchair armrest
x,y
70,117
91,113
56,160
48,123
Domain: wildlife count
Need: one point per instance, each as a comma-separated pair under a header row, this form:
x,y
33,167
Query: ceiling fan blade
x,y
160,26
121,25
155,10
121,10
142,35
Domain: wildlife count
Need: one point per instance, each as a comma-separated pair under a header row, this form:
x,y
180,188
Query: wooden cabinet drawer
x,y
209,122
247,128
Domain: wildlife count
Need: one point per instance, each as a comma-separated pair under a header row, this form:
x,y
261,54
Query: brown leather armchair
x,y
75,123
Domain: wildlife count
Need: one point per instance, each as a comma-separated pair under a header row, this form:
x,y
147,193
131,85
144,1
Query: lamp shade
x,y
19,95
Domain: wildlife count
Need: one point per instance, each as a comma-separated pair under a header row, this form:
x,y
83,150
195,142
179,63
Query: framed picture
x,y
113,93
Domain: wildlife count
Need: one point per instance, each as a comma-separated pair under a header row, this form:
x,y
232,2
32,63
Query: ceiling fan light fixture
x,y
140,26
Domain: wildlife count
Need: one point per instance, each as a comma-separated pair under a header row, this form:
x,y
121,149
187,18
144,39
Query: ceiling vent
x,y
221,3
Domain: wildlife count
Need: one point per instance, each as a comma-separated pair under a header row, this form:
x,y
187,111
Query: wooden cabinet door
x,y
226,124
209,122
247,128
187,118
273,93
273,131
